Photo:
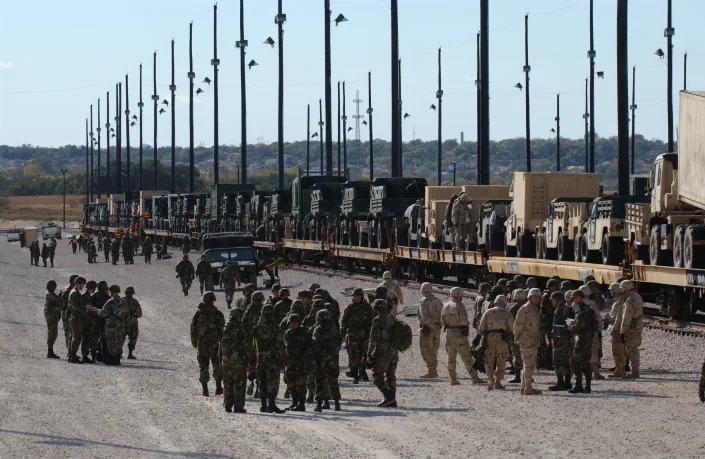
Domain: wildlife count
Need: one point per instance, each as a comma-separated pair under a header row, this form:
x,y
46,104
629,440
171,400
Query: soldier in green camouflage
x,y
77,317
282,307
561,342
309,324
331,304
244,301
355,331
297,307
53,305
379,353
234,347
546,312
274,297
297,343
305,297
583,329
64,294
100,297
325,344
269,349
204,272
115,312
249,321
132,327
483,290
206,332
89,324
185,273
229,278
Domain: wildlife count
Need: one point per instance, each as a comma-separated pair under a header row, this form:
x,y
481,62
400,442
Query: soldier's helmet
x,y
558,296
387,275
592,284
314,286
556,278
531,281
72,278
267,310
318,292
552,283
258,297
534,291
569,295
454,196
566,284
456,292
319,304
114,289
496,290
276,287
519,278
317,297
236,315
358,292
322,315
51,285
91,284
511,285
249,288
294,318
426,288
209,297
379,305
519,294
381,292
589,278
80,280
325,294
284,292
130,291
578,293
305,294
185,257
586,290
502,282
627,284
484,287
501,300
615,289
297,306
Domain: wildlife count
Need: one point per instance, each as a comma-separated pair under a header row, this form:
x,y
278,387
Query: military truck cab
x,y
355,207
389,198
489,230
412,227
237,247
326,199
556,237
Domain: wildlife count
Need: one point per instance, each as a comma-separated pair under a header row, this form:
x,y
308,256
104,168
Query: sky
x,y
58,58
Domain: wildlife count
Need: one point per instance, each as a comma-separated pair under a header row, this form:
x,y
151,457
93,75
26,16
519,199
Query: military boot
x,y
205,389
356,379
51,355
309,399
392,402
250,388
453,378
560,385
294,402
587,389
263,408
476,378
387,397
498,384
578,388
618,373
517,378
326,404
130,356
634,373
300,407
319,406
273,408
596,374
363,375
337,405
490,384
530,390
228,409
350,374
218,388
431,373
287,393
257,393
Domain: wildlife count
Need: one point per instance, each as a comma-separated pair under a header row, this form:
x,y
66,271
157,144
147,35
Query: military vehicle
x,y
237,247
389,199
326,199
298,223
355,208
557,235
489,229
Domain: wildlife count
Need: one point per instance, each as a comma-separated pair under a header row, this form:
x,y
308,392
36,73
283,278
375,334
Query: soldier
x,y
379,354
100,297
92,253
483,290
74,244
115,251
531,282
393,290
249,321
132,329
107,249
282,307
518,300
597,341
305,297
632,325
37,253
147,250
77,317
313,287
296,344
447,217
274,297
510,287
546,315
325,345
355,332
269,349
429,316
619,353
565,286
246,297
496,325
89,327
526,335
229,278
460,222
309,324
186,247
100,241
206,332
115,312
52,251
332,305
234,347
185,273
65,319
45,254
489,300
583,330
502,283
204,272
561,341
53,305
454,319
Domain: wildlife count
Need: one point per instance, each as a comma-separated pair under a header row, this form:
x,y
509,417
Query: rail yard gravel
x,y
152,407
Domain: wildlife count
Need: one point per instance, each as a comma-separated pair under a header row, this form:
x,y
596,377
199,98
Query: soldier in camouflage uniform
x,y
116,313
53,305
244,301
454,318
518,300
483,290
497,327
619,353
597,340
297,344
309,323
229,278
185,273
206,332
461,222
249,320
527,332
325,345
269,348
632,325
89,325
204,272
274,297
234,347
282,307
132,328
106,249
561,342
77,317
297,307
355,331
305,297
448,220
546,313
100,297
584,330
519,279
66,323
393,290
489,300
331,305
429,316
115,251
379,354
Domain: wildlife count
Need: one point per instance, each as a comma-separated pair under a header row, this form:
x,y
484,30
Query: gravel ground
x,y
152,407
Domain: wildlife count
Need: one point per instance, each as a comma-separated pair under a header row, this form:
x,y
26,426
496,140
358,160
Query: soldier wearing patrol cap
x,y
497,327
429,316
619,353
632,325
454,319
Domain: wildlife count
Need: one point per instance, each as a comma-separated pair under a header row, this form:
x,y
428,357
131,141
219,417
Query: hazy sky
x,y
57,58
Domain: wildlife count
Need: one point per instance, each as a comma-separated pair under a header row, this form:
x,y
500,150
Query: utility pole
x,y
242,44
558,132
172,88
591,55
118,129
478,96
140,105
357,117
632,107
63,172
485,91
91,174
329,97
155,98
439,96
527,70
100,184
685,72
622,98
280,20
320,135
345,137
191,76
107,142
87,172
586,117
369,113
668,33
401,127
396,110
215,62
338,128
128,178
308,139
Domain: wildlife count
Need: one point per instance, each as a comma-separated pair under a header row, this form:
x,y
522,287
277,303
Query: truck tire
x,y
678,238
658,256
612,250
540,247
565,248
587,255
494,240
509,251
382,239
372,235
693,251
525,245
409,241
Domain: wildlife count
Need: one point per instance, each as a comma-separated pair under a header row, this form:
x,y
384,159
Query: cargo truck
x,y
557,236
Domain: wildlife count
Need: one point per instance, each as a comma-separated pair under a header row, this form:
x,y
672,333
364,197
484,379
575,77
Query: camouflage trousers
x,y
209,355
458,345
461,233
234,385
185,284
545,349
631,346
515,354
89,332
207,286
384,369
327,387
529,355
497,350
357,353
76,335
114,340
268,377
429,342
229,290
595,352
580,360
52,319
561,355
133,331
295,378
619,351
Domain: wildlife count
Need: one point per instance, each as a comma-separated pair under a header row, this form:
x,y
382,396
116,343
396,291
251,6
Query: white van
x,y
51,230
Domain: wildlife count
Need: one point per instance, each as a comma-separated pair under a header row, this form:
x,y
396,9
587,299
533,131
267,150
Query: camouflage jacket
x,y
268,343
357,320
584,326
234,345
546,312
53,304
562,313
134,306
115,312
243,302
185,269
228,276
325,341
380,335
203,269
207,325
77,306
281,309
297,342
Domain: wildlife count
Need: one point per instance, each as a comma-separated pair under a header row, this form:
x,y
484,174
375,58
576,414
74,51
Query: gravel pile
x,y
152,407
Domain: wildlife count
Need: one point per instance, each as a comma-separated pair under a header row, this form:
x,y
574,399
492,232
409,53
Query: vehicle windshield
x,y
223,255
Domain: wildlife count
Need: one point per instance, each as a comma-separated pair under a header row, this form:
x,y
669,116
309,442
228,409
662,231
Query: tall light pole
x,y
685,71
280,20
172,88
439,96
98,129
527,70
87,172
308,139
128,177
345,137
91,174
478,95
338,123
215,62
396,103
558,132
329,127
63,172
586,117
242,45
668,33
140,105
107,143
591,56
622,99
155,98
369,115
191,76
118,130
632,107
320,125
454,169
485,91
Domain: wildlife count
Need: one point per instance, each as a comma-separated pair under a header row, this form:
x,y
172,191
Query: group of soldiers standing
x,y
46,252
303,337
95,321
559,329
